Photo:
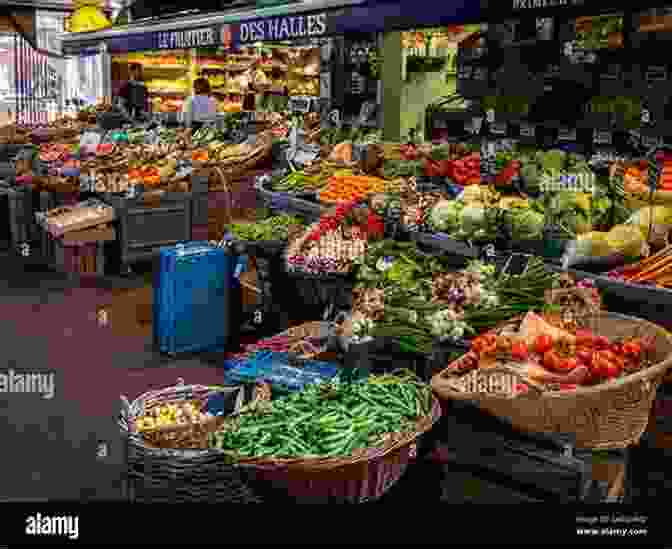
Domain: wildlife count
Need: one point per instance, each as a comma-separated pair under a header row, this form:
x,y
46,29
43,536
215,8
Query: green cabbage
x,y
526,224
473,219
445,216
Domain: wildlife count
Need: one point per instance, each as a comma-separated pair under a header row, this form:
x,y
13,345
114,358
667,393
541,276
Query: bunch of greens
x,y
275,228
327,420
393,169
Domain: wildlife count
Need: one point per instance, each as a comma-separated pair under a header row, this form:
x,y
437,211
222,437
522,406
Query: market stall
x,y
445,258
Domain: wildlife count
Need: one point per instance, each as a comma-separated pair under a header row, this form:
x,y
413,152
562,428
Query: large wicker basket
x,y
160,474
613,415
363,477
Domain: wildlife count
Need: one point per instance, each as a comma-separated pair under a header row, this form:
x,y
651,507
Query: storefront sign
x,y
181,40
283,28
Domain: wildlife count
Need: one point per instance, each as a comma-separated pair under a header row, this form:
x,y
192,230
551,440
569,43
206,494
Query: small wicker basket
x,y
161,474
612,415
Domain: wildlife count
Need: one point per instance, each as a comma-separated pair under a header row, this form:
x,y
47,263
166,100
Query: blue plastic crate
x,y
278,370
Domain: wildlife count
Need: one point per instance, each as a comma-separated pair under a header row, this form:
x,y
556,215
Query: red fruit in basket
x,y
522,388
568,387
543,343
566,365
584,356
601,342
612,371
551,360
632,348
519,351
584,337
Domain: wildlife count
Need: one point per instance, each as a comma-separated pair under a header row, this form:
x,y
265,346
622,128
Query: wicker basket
x,y
365,476
613,415
156,474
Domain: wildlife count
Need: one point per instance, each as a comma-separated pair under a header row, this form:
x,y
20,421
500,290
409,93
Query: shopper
x,y
133,99
200,107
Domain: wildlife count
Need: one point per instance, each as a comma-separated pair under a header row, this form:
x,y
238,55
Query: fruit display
x,y
171,415
555,358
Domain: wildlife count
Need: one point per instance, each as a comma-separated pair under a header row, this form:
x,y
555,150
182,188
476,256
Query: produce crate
x,y
386,354
147,224
445,244
311,210
283,373
508,464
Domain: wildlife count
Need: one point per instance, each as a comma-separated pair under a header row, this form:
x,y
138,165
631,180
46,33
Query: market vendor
x,y
200,107
132,98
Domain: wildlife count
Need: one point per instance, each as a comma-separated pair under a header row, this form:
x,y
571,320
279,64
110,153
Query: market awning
x,y
287,22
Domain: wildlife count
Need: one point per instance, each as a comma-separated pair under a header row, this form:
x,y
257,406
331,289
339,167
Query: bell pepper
x,y
432,168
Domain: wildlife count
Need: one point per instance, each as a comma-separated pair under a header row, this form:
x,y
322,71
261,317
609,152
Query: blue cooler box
x,y
194,298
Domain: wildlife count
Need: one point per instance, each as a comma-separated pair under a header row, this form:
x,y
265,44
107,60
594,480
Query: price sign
x,y
602,137
567,134
325,85
527,130
498,129
488,253
569,49
490,116
656,73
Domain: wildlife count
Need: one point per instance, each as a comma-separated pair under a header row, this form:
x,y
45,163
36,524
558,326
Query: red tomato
x,y
585,356
551,360
601,342
612,370
519,351
543,343
566,365
584,337
568,387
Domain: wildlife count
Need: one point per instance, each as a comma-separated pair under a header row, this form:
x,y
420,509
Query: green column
x,y
392,86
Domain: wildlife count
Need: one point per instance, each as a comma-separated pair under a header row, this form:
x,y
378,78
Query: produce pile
x,y
655,270
557,359
403,293
275,228
297,182
327,420
331,245
343,188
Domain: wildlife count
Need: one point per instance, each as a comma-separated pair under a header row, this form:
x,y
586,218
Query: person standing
x,y
133,97
200,107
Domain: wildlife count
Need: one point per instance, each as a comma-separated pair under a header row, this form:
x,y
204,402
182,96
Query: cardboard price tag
x,y
527,130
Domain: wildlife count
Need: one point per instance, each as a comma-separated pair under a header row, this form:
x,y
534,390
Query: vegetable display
x,y
327,420
558,359
275,228
348,188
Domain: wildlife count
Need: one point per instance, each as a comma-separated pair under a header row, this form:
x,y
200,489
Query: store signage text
x,y
178,40
540,4
283,28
